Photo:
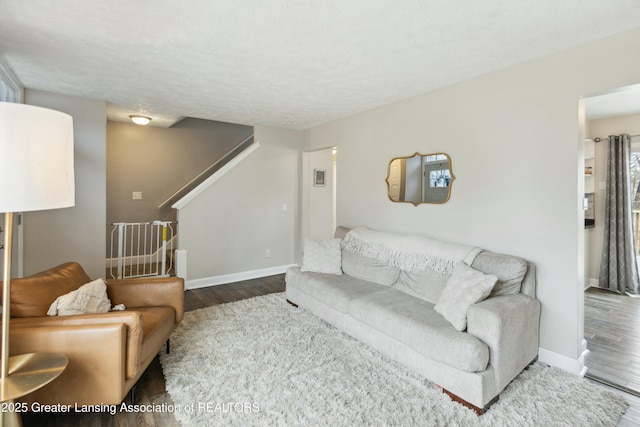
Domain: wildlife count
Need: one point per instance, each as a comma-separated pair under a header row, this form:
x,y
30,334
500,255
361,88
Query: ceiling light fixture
x,y
140,120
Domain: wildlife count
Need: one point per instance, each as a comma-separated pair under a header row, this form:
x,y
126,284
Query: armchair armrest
x,y
509,325
148,292
96,369
68,325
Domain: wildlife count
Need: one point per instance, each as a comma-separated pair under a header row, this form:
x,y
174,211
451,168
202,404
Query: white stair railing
x,y
140,249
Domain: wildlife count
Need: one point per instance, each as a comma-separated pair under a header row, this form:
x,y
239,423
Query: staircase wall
x,y
158,161
253,208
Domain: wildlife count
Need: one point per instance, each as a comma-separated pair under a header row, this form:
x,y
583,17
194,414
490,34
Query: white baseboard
x,y
591,283
574,366
583,355
237,277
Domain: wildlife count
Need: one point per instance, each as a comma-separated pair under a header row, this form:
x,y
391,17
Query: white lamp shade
x,y
36,158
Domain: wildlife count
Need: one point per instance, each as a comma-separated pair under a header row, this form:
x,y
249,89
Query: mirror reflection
x,y
421,178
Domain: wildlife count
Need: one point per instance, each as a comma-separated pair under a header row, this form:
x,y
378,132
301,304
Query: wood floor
x,y
612,331
151,387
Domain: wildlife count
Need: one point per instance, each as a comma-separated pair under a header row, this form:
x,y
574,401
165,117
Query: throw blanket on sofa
x,y
410,253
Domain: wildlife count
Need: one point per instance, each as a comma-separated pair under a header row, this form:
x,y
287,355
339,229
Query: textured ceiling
x,y
285,63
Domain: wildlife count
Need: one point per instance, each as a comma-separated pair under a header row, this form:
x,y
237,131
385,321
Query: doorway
x,y
609,317
319,194
436,174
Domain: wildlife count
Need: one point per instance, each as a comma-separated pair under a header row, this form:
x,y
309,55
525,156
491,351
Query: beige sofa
x,y
107,352
394,311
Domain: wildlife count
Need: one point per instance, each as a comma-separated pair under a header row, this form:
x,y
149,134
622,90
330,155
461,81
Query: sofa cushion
x,y
414,322
88,298
32,296
465,287
335,291
322,256
157,324
426,285
509,269
365,268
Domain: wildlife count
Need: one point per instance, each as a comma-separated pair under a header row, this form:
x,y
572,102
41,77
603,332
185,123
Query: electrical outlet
x,y
268,253
137,195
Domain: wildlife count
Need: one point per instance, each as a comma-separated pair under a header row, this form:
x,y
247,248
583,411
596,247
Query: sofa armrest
x,y
509,325
148,292
130,319
96,370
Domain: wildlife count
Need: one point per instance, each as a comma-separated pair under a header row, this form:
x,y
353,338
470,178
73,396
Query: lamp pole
x,y
6,293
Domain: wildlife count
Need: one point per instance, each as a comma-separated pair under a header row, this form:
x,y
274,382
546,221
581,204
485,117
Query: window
x,y
439,178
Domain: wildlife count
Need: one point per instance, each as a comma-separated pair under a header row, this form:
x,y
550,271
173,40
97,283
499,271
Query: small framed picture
x,y
319,179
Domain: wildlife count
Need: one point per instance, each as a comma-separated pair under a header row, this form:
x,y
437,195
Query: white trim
x,y
11,79
583,346
591,283
583,355
216,176
573,366
237,277
181,265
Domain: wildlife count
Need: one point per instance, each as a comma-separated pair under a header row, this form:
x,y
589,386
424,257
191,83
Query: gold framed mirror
x,y
420,178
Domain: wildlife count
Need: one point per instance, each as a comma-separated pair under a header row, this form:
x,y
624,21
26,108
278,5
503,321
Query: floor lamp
x,y
36,173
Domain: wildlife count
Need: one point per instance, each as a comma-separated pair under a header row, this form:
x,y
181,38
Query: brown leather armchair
x,y
107,352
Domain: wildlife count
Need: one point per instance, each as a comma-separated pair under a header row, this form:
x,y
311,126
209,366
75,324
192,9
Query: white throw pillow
x,y
465,287
322,256
89,298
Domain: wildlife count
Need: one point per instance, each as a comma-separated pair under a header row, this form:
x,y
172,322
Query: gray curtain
x,y
618,266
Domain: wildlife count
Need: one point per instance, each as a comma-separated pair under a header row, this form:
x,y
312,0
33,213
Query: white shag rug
x,y
261,361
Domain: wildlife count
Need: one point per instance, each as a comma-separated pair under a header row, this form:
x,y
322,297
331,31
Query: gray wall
x,y
158,161
77,233
515,138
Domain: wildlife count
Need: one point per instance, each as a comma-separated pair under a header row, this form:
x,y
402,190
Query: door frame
x,y
307,183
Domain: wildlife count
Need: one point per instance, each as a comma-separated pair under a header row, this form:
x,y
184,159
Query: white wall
x,y
73,234
603,128
228,228
514,138
320,198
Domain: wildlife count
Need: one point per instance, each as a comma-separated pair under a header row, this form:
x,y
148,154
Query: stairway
x,y
204,175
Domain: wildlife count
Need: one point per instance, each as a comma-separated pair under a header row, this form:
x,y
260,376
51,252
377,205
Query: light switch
x,y
137,195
